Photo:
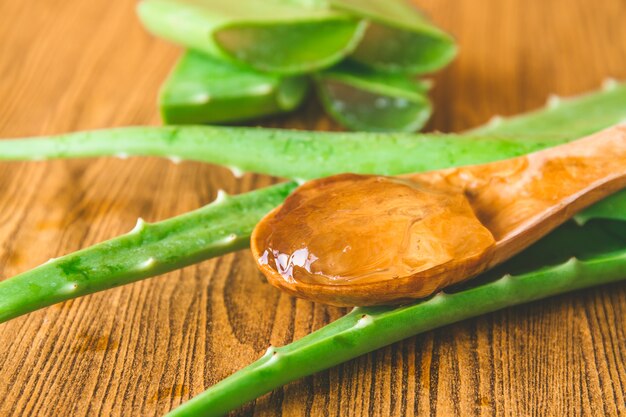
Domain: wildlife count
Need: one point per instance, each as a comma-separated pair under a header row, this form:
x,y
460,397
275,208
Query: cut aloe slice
x,y
399,38
281,36
203,89
362,99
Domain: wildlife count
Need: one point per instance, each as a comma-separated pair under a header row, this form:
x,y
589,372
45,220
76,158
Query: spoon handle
x,y
522,199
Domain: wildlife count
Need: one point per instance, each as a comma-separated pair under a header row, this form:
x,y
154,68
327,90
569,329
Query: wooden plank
x,y
144,348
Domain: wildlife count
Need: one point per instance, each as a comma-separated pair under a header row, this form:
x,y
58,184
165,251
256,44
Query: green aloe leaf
x,y
281,36
308,155
583,115
571,258
303,155
279,152
399,38
149,249
366,100
205,89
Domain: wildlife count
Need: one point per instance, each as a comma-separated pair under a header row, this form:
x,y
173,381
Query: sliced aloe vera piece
x,y
362,99
279,36
204,89
399,38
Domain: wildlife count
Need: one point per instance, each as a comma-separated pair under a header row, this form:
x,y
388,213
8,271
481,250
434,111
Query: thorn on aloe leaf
x,y
237,173
175,159
554,101
439,297
609,84
222,196
271,350
147,264
229,239
275,357
139,226
505,279
495,121
272,355
69,288
354,309
364,321
122,155
201,98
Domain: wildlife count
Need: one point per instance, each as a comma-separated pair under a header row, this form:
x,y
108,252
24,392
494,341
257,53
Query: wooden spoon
x,y
362,240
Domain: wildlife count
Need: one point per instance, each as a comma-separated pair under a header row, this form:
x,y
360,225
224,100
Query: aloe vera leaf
x,y
149,249
580,116
367,329
280,36
205,89
365,100
307,155
399,38
14,291
284,153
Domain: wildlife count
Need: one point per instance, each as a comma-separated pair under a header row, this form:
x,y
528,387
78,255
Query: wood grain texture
x,y
143,348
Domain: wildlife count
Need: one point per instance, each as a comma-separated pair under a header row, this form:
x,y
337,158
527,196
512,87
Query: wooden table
x,y
144,348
